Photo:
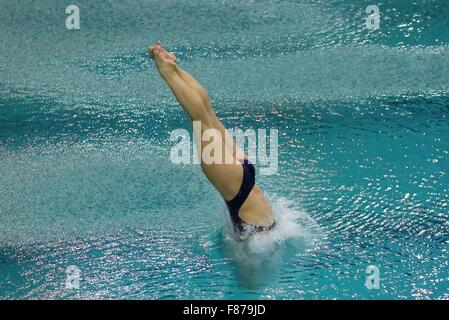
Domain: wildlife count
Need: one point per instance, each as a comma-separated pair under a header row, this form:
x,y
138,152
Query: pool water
x,y
86,179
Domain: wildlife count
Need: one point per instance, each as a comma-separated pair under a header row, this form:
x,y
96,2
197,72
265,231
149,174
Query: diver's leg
x,y
224,176
237,153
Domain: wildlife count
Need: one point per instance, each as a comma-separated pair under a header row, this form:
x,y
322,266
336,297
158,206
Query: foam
x,y
260,256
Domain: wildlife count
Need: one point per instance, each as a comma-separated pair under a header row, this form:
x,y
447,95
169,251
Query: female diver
x,y
249,209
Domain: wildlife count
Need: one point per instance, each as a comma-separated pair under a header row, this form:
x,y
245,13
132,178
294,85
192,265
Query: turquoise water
x,y
363,120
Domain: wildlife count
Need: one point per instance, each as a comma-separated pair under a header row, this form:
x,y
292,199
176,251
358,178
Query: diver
x,y
249,209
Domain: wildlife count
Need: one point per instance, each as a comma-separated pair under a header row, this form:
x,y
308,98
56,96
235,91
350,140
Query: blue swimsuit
x,y
234,205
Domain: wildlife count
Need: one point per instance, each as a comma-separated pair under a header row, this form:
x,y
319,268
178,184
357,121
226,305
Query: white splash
x,y
295,230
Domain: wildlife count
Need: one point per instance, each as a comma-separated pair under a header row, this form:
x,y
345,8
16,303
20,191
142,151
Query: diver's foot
x,y
152,48
164,62
157,46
